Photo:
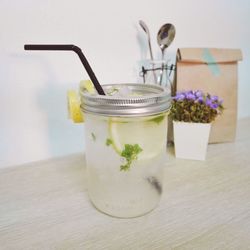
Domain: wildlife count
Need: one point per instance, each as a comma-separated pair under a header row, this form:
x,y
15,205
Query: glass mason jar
x,y
126,148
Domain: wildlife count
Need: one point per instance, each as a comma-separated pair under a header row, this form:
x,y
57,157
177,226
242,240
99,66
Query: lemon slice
x,y
87,85
147,134
74,103
74,107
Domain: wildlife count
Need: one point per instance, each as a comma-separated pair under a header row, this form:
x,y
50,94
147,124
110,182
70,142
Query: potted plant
x,y
192,113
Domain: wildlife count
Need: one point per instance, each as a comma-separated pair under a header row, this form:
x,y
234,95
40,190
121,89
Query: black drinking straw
x,y
78,51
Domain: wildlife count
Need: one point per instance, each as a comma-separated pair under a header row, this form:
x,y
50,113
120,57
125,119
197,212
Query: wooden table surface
x,y
205,205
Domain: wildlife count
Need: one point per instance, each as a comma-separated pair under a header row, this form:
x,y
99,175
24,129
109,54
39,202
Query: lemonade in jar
x,y
126,135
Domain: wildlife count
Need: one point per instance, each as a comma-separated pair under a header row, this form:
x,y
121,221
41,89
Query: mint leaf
x,y
158,119
93,136
108,142
130,153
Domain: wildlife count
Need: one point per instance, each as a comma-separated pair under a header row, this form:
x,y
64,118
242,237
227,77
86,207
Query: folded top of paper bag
x,y
208,55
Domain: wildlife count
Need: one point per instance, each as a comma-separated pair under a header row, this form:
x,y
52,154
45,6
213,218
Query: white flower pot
x,y
191,140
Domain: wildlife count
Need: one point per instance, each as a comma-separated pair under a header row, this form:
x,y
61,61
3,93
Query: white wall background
x,y
33,108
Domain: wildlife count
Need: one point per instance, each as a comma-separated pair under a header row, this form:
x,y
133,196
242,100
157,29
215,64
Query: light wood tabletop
x,y
205,205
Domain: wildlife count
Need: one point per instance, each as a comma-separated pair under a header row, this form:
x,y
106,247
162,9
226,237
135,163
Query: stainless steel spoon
x,y
145,28
165,37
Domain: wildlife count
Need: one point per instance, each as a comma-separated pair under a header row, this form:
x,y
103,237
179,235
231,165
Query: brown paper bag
x,y
213,71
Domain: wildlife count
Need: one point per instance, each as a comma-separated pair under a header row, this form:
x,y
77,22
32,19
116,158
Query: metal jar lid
x,y
143,100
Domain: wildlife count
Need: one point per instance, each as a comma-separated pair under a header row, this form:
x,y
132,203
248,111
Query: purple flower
x,y
214,105
179,97
198,93
200,99
214,98
220,101
190,96
209,102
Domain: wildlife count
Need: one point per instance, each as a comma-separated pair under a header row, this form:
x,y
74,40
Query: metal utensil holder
x,y
159,73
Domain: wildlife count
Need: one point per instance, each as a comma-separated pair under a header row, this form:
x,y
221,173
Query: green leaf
x,y
158,119
108,142
93,136
130,153
124,167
